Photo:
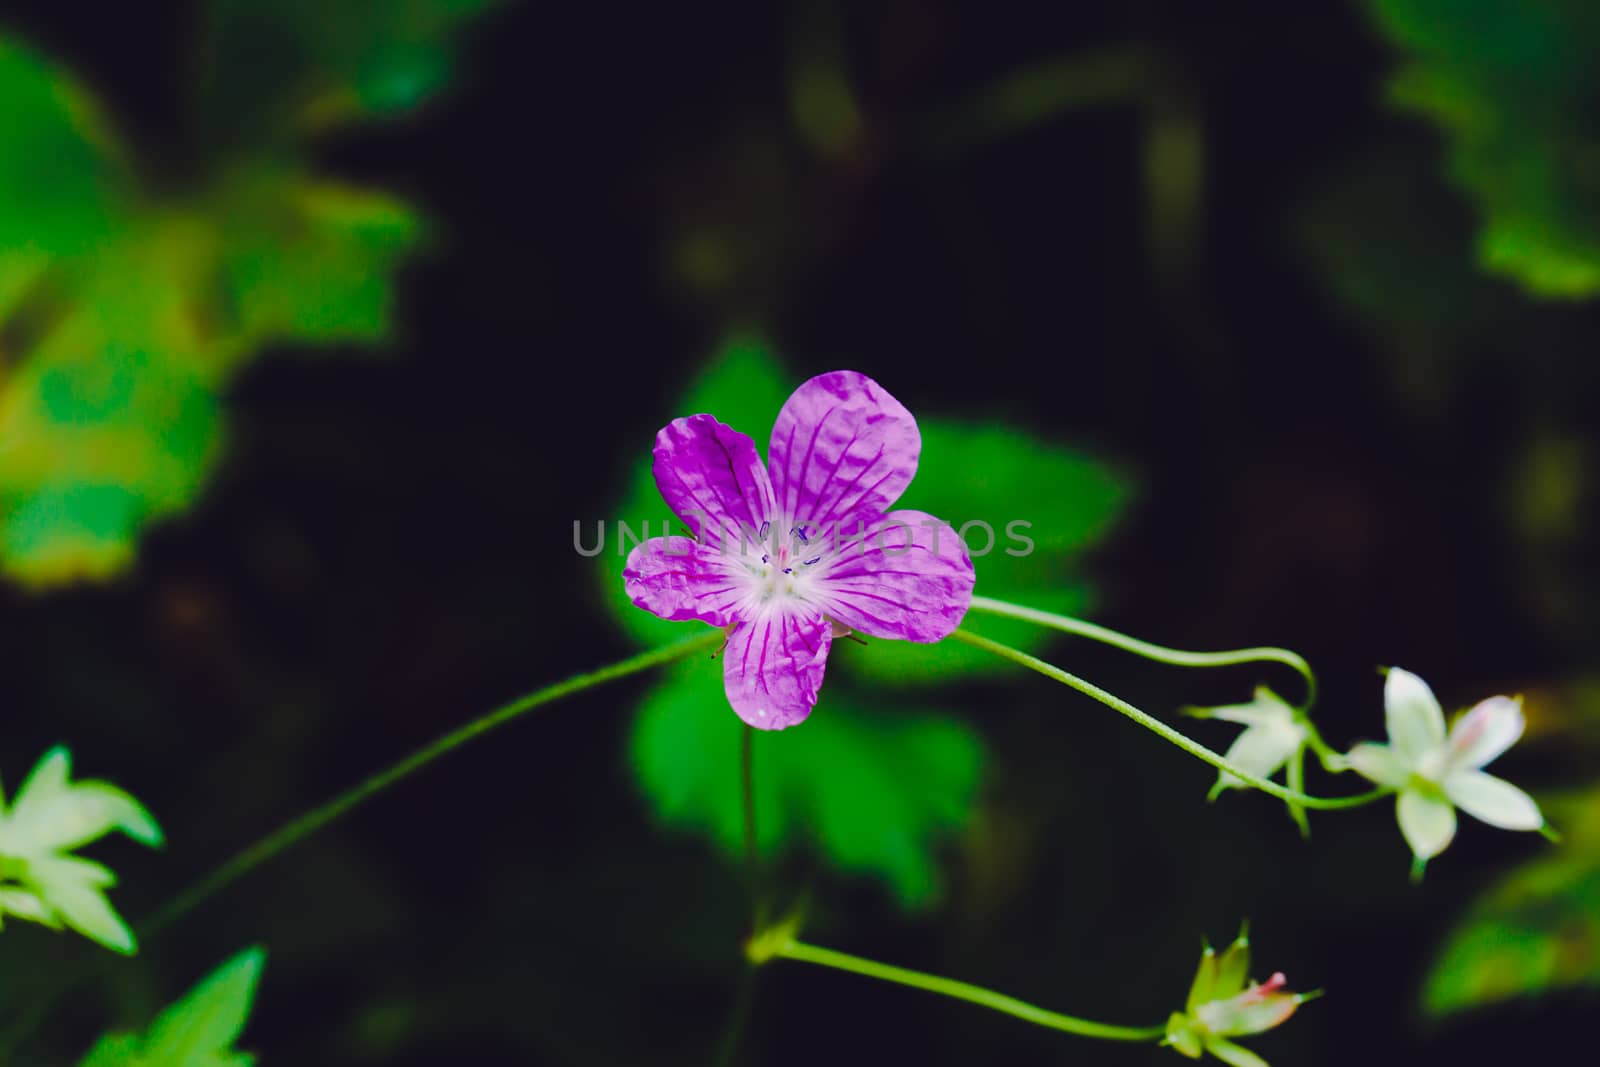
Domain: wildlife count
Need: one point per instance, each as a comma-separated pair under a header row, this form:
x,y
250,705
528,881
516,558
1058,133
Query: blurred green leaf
x,y
197,1031
1395,252
60,183
123,315
871,789
111,421
1513,84
313,259
989,474
1537,929
278,69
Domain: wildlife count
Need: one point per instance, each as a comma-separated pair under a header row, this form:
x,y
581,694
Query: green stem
x,y
1159,653
303,826
949,987
752,848
1161,729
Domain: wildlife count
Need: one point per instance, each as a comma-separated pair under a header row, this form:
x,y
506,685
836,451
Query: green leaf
x,y
125,317
113,1050
279,68
988,474
59,180
1536,929
112,421
870,789
197,1031
314,260
1512,84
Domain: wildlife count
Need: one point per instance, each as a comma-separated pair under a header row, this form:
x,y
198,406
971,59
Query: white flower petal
x,y
1484,732
1266,709
53,814
1427,822
46,782
72,889
1262,750
84,812
26,905
1493,800
1380,763
1413,715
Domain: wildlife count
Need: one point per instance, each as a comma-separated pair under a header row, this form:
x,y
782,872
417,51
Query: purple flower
x,y
804,549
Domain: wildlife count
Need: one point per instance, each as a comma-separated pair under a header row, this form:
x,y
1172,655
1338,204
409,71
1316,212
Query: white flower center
x,y
780,569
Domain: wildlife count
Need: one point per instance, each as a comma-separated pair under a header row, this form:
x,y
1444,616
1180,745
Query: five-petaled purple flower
x,y
802,550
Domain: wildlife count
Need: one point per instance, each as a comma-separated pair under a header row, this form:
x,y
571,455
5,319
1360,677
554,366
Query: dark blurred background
x,y
1197,241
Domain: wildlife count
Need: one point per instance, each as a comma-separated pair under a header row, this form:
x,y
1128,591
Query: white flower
x,y
39,880
1223,1004
1274,734
1437,771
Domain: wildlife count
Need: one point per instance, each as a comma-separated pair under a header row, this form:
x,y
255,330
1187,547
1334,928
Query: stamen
x,y
800,532
813,560
764,528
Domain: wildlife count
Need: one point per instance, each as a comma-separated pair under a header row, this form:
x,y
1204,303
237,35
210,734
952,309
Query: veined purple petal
x,y
772,667
842,447
711,477
909,578
680,578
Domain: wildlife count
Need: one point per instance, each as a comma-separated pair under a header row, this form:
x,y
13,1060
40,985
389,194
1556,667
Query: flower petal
x,y
679,578
711,477
1416,722
1493,800
1484,732
1427,822
1381,763
1234,1055
1267,708
25,904
53,814
44,784
772,667
841,448
1262,750
1250,1012
906,576
73,889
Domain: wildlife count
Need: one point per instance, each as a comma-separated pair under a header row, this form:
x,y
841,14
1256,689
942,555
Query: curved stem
x,y
303,826
949,987
1156,726
1159,653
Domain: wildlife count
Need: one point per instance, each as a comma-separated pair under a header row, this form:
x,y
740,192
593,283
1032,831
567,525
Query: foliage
x,y
197,1031
126,306
52,816
1535,929
1512,84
